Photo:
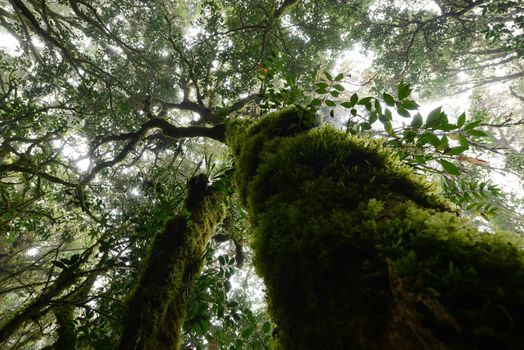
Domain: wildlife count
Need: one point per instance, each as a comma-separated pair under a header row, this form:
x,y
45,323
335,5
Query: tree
x,y
444,45
111,108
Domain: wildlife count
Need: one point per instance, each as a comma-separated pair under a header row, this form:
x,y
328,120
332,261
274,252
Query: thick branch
x,y
157,308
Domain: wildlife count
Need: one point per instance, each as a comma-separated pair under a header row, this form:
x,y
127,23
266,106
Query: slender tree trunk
x,y
157,308
357,252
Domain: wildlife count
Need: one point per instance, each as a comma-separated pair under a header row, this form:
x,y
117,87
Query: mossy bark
x,y
357,252
157,308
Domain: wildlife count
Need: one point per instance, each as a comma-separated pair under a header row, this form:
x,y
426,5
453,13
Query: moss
x,y
157,308
357,252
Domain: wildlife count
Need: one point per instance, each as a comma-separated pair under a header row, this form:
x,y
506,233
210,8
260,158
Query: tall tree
x,y
107,111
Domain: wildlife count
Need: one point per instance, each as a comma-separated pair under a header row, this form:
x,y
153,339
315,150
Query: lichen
x,y
358,252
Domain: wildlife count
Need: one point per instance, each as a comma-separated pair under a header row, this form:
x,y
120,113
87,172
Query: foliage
x,y
107,108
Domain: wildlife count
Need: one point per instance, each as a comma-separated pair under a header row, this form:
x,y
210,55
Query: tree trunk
x,y
357,252
157,308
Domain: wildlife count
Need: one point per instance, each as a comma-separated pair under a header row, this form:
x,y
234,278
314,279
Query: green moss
x,y
157,308
357,252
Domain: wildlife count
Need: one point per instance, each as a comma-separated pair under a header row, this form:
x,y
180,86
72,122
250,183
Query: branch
x,y
216,133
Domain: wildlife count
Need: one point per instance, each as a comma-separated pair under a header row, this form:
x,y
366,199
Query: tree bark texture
x,y
358,252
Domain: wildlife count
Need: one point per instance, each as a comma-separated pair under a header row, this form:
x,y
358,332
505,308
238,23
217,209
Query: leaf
x,y
339,77
321,91
334,93
472,125
365,126
338,87
354,99
417,121
390,101
476,132
377,106
461,120
463,141
330,103
389,128
373,117
364,101
322,85
457,150
59,264
403,90
411,105
247,332
403,112
347,104
433,119
316,102
328,76
266,327
449,167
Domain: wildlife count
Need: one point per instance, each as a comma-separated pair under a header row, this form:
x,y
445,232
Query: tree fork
x,y
157,308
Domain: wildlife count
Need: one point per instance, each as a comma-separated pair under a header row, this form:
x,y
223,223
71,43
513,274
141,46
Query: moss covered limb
x,y
357,252
157,308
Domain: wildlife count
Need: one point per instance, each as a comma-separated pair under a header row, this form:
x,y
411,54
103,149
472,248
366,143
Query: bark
x,y
157,308
358,252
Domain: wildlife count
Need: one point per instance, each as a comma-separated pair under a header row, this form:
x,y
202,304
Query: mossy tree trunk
x,y
357,252
157,308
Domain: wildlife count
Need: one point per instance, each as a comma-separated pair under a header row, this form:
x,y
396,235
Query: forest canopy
x,y
131,211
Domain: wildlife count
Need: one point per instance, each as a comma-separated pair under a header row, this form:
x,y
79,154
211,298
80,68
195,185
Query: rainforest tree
x,y
130,136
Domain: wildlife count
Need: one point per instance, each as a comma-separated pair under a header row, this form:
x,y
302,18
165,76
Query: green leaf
x,y
364,101
328,76
472,124
461,120
409,135
338,87
457,150
365,126
390,101
330,103
434,117
321,91
448,127
354,99
389,128
377,106
339,77
417,121
247,332
347,104
322,85
463,141
408,104
315,102
373,117
59,264
403,112
419,159
334,93
449,167
477,132
354,112
266,327
403,90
